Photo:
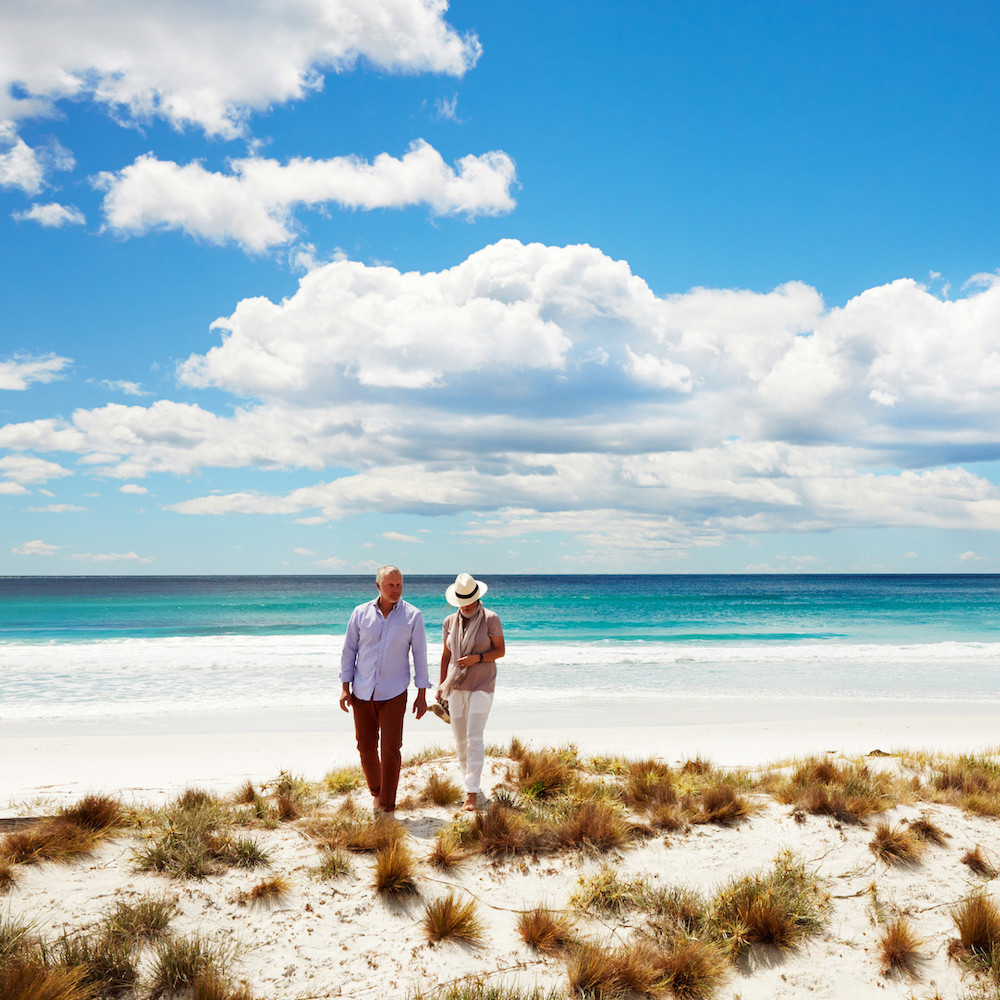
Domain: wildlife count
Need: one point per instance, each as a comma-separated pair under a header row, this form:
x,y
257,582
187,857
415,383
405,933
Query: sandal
x,y
441,711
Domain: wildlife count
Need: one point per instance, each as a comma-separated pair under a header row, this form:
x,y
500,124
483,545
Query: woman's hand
x,y
464,662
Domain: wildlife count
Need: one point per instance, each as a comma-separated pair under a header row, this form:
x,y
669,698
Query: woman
x,y
473,642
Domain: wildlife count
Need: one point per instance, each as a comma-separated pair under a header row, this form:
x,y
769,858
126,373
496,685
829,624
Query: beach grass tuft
x,y
448,918
144,919
500,830
597,971
899,949
344,779
720,803
692,968
928,831
268,891
335,864
477,988
592,826
606,893
977,921
441,791
107,961
56,840
979,863
776,907
395,870
896,845
544,773
448,850
179,963
850,792
96,813
28,979
550,932
8,877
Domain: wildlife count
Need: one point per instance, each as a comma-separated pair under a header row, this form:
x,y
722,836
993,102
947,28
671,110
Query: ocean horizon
x,y
86,649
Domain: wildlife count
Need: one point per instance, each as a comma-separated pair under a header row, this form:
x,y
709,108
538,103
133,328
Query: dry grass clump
x,y
344,779
27,979
977,921
596,971
441,791
192,963
549,931
896,845
349,832
541,774
604,892
848,792
648,785
899,949
927,830
479,989
267,892
108,962
972,783
7,876
395,870
979,863
335,864
145,919
719,803
191,838
501,829
592,826
72,834
99,963
447,919
96,812
448,850
692,968
778,907
678,911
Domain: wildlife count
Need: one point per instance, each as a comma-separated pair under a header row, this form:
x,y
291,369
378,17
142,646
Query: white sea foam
x,y
116,678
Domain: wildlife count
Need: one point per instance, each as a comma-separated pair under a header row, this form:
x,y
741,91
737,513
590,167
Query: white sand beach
x,y
341,939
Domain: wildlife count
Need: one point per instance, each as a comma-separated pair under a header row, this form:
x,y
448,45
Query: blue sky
x,y
561,287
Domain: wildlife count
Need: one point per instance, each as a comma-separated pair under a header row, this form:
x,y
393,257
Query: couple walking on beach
x,y
383,636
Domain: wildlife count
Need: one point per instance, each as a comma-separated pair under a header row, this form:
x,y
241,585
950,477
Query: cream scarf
x,y
460,642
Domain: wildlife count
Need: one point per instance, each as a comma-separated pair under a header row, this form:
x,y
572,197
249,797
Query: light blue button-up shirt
x,y
376,656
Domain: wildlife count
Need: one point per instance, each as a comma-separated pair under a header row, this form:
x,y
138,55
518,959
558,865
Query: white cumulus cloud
x,y
210,64
547,389
253,204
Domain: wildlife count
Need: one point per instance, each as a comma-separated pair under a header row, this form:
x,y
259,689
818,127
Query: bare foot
x,y
470,803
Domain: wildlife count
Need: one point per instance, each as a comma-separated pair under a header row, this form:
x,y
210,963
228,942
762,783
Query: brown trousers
x,y
375,723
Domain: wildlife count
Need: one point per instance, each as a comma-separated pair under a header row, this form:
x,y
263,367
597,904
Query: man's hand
x,y
420,703
345,698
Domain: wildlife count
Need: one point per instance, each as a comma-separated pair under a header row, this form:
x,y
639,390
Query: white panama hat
x,y
465,590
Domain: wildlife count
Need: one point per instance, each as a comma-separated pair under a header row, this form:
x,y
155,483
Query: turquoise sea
x,y
98,648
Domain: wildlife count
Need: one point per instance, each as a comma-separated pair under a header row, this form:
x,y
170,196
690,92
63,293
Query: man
x,y
375,671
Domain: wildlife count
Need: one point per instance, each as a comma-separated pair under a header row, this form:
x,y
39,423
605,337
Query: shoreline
x,y
154,758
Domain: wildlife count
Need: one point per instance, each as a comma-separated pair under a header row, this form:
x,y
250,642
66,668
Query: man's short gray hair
x,y
384,571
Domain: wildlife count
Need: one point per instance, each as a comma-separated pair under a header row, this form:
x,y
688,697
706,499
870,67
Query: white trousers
x,y
469,711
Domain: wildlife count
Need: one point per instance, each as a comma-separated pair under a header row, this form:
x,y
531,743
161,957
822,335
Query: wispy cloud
x,y
18,372
52,215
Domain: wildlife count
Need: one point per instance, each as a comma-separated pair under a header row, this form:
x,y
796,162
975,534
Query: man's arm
x,y
418,645
349,659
